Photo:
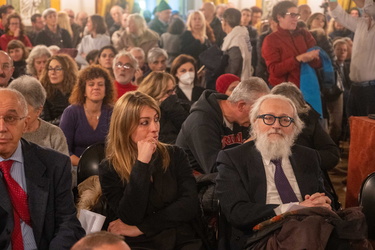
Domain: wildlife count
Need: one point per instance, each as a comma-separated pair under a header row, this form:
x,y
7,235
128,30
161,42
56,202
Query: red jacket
x,y
280,49
6,38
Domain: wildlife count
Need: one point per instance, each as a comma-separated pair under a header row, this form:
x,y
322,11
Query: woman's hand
x,y
17,32
120,228
317,200
308,56
146,148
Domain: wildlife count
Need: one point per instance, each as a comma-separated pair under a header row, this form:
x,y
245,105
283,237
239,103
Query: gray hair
x,y
20,98
48,11
249,90
290,90
36,52
256,107
31,89
155,53
122,53
139,50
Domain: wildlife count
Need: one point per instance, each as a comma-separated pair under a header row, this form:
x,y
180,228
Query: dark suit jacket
x,y
242,186
52,211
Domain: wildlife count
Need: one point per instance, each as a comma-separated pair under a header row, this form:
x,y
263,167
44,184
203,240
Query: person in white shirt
x,y
361,100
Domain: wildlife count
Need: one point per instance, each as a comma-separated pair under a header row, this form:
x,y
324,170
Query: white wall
x,y
78,5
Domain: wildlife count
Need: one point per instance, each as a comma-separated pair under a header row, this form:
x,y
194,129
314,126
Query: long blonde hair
x,y
156,84
202,32
64,22
121,151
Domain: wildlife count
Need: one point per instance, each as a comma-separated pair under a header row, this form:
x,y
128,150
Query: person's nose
x,y
276,124
3,126
154,126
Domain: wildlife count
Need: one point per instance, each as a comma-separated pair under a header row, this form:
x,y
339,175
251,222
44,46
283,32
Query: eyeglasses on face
x,y
125,66
269,119
293,15
57,69
171,91
11,119
5,66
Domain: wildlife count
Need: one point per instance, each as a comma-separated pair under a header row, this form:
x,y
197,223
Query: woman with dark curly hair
x,y
86,120
58,78
14,30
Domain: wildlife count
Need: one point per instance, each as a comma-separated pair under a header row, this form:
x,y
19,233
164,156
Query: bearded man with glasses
x,y
270,176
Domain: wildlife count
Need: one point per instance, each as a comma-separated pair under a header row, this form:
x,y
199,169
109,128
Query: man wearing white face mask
x,y
362,92
183,69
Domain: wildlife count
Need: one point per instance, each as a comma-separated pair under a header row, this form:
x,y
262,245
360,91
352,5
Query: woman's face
x,y
289,21
106,58
95,89
171,90
89,25
231,88
196,22
341,52
55,72
186,67
39,64
318,22
245,17
16,54
148,125
14,24
33,114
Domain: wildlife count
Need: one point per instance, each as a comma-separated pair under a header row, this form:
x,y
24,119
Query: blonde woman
x,y
162,87
137,35
149,185
194,40
64,22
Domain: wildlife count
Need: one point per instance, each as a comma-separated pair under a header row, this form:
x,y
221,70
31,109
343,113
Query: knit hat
x,y
163,6
223,82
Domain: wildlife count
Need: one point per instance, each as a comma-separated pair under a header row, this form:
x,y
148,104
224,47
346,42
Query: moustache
x,y
2,75
274,131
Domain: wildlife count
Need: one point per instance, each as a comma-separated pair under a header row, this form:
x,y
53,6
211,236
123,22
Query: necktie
x,y
18,198
286,192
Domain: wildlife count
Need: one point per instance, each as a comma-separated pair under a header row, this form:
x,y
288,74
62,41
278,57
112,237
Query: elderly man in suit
x,y
36,205
267,176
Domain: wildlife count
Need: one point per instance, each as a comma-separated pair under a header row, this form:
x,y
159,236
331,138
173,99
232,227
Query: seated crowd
x,y
256,108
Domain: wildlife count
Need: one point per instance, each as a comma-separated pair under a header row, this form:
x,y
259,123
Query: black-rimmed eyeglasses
x,y
11,119
269,119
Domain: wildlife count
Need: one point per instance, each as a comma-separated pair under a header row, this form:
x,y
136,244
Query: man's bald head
x,y
6,69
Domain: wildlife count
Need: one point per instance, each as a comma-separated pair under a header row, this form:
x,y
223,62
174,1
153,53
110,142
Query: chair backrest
x,y
88,164
367,201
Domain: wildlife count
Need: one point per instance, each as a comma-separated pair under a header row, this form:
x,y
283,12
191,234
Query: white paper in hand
x,y
90,221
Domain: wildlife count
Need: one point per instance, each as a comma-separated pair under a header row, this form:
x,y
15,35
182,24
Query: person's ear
x,y
241,106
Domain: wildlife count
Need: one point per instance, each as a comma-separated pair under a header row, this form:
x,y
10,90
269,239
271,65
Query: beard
x,y
274,148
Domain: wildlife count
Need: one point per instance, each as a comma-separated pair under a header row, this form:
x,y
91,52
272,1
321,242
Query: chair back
x,y
367,201
88,164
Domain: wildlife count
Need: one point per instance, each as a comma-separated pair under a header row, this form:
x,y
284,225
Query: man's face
x,y
12,123
6,69
208,10
256,17
341,52
123,75
139,56
243,110
116,15
277,108
81,19
71,15
5,15
273,140
160,64
165,15
39,24
288,22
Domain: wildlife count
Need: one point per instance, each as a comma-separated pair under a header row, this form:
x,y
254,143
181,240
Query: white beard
x,y
274,148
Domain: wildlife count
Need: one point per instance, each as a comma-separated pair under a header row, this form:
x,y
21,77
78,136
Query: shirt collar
x,y
17,155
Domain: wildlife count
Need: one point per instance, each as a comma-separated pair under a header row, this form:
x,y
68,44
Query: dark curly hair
x,y
280,9
90,73
22,27
70,71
